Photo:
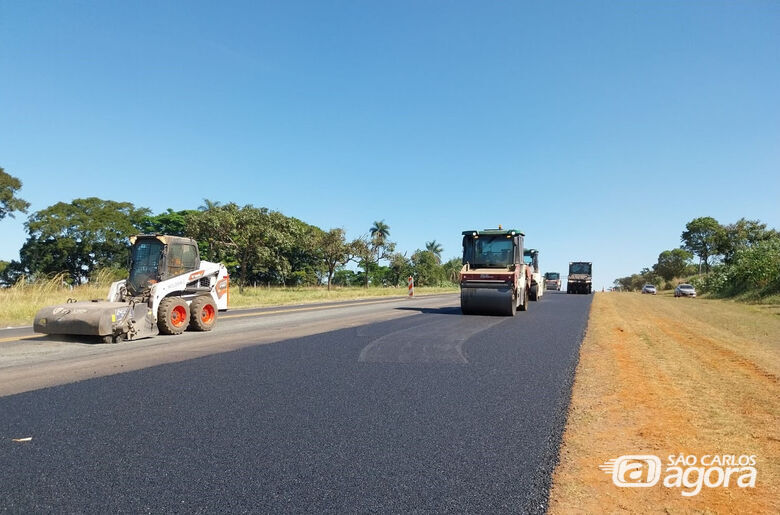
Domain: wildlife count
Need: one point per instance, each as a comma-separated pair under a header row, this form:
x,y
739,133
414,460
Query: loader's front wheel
x,y
203,315
173,317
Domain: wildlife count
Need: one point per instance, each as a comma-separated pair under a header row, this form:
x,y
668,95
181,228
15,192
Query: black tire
x,y
203,313
534,294
512,305
119,338
173,317
107,339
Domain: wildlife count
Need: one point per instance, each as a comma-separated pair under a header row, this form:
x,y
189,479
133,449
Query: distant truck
x,y
552,281
531,258
580,277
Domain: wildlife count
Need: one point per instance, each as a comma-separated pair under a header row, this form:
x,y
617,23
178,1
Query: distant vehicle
x,y
685,290
580,277
552,281
531,258
649,288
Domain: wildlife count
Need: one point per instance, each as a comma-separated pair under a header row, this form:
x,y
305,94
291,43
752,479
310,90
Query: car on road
x,y
649,288
685,290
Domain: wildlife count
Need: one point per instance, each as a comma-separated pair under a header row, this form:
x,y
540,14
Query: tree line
x,y
733,259
259,246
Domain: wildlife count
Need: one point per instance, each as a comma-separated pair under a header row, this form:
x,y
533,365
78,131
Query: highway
x,y
389,405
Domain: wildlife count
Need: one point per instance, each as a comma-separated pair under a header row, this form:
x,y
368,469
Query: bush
x,y
755,268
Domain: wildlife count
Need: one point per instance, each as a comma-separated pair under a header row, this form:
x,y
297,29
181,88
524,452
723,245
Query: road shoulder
x,y
664,376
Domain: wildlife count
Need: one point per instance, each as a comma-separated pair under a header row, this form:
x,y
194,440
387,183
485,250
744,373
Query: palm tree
x,y
380,231
434,248
208,204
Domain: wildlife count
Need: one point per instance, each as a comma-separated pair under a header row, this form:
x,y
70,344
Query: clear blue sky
x,y
597,128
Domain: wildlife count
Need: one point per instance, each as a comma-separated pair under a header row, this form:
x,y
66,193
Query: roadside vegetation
x,y
72,244
76,249
739,261
23,299
664,376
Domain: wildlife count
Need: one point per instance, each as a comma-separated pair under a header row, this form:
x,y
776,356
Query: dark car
x,y
649,288
685,290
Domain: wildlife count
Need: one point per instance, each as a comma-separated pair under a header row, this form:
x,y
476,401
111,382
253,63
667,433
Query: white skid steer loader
x,y
169,290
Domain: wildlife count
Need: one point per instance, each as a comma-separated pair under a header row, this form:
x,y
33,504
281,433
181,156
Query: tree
x,y
741,235
435,248
380,231
672,263
9,202
208,204
400,268
701,237
427,271
234,235
372,250
80,237
335,251
452,269
173,223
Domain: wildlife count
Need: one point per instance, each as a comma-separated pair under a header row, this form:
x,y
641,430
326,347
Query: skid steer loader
x,y
169,289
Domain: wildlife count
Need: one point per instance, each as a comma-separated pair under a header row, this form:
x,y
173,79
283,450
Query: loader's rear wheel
x,y
203,313
173,317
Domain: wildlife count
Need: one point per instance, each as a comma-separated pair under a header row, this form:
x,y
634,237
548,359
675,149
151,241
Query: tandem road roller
x,y
494,279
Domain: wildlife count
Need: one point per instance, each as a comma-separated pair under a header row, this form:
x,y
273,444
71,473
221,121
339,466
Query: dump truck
x,y
168,290
531,259
552,281
580,277
494,279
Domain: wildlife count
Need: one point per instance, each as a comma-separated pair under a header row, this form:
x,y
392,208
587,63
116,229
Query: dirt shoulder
x,y
663,376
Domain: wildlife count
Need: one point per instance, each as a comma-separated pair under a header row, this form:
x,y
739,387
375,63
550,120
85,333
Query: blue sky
x,y
597,128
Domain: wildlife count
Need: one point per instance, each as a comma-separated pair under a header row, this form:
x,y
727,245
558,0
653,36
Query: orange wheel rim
x,y
178,316
207,314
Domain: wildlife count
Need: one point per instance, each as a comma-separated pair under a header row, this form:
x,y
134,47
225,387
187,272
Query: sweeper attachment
x,y
494,279
169,290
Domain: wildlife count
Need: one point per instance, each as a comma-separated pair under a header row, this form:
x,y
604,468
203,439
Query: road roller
x,y
494,279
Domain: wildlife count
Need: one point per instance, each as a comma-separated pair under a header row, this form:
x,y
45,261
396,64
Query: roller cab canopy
x,y
155,258
531,257
492,248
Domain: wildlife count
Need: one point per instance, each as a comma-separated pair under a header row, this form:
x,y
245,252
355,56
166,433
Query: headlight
x,y
121,313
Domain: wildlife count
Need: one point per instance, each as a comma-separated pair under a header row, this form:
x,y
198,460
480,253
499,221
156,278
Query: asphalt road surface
x,y
382,406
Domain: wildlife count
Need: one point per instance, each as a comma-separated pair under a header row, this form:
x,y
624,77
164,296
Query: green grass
x,y
19,303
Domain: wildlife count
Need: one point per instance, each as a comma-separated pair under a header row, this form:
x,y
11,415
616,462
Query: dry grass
x,y
19,303
259,297
664,376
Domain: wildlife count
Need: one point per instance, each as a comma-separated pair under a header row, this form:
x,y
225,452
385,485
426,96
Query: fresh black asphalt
x,y
305,426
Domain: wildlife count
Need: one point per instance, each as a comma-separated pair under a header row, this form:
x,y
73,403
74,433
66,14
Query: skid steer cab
x,y
169,290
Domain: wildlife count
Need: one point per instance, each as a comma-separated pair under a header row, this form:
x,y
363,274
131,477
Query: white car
x,y
649,288
685,290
